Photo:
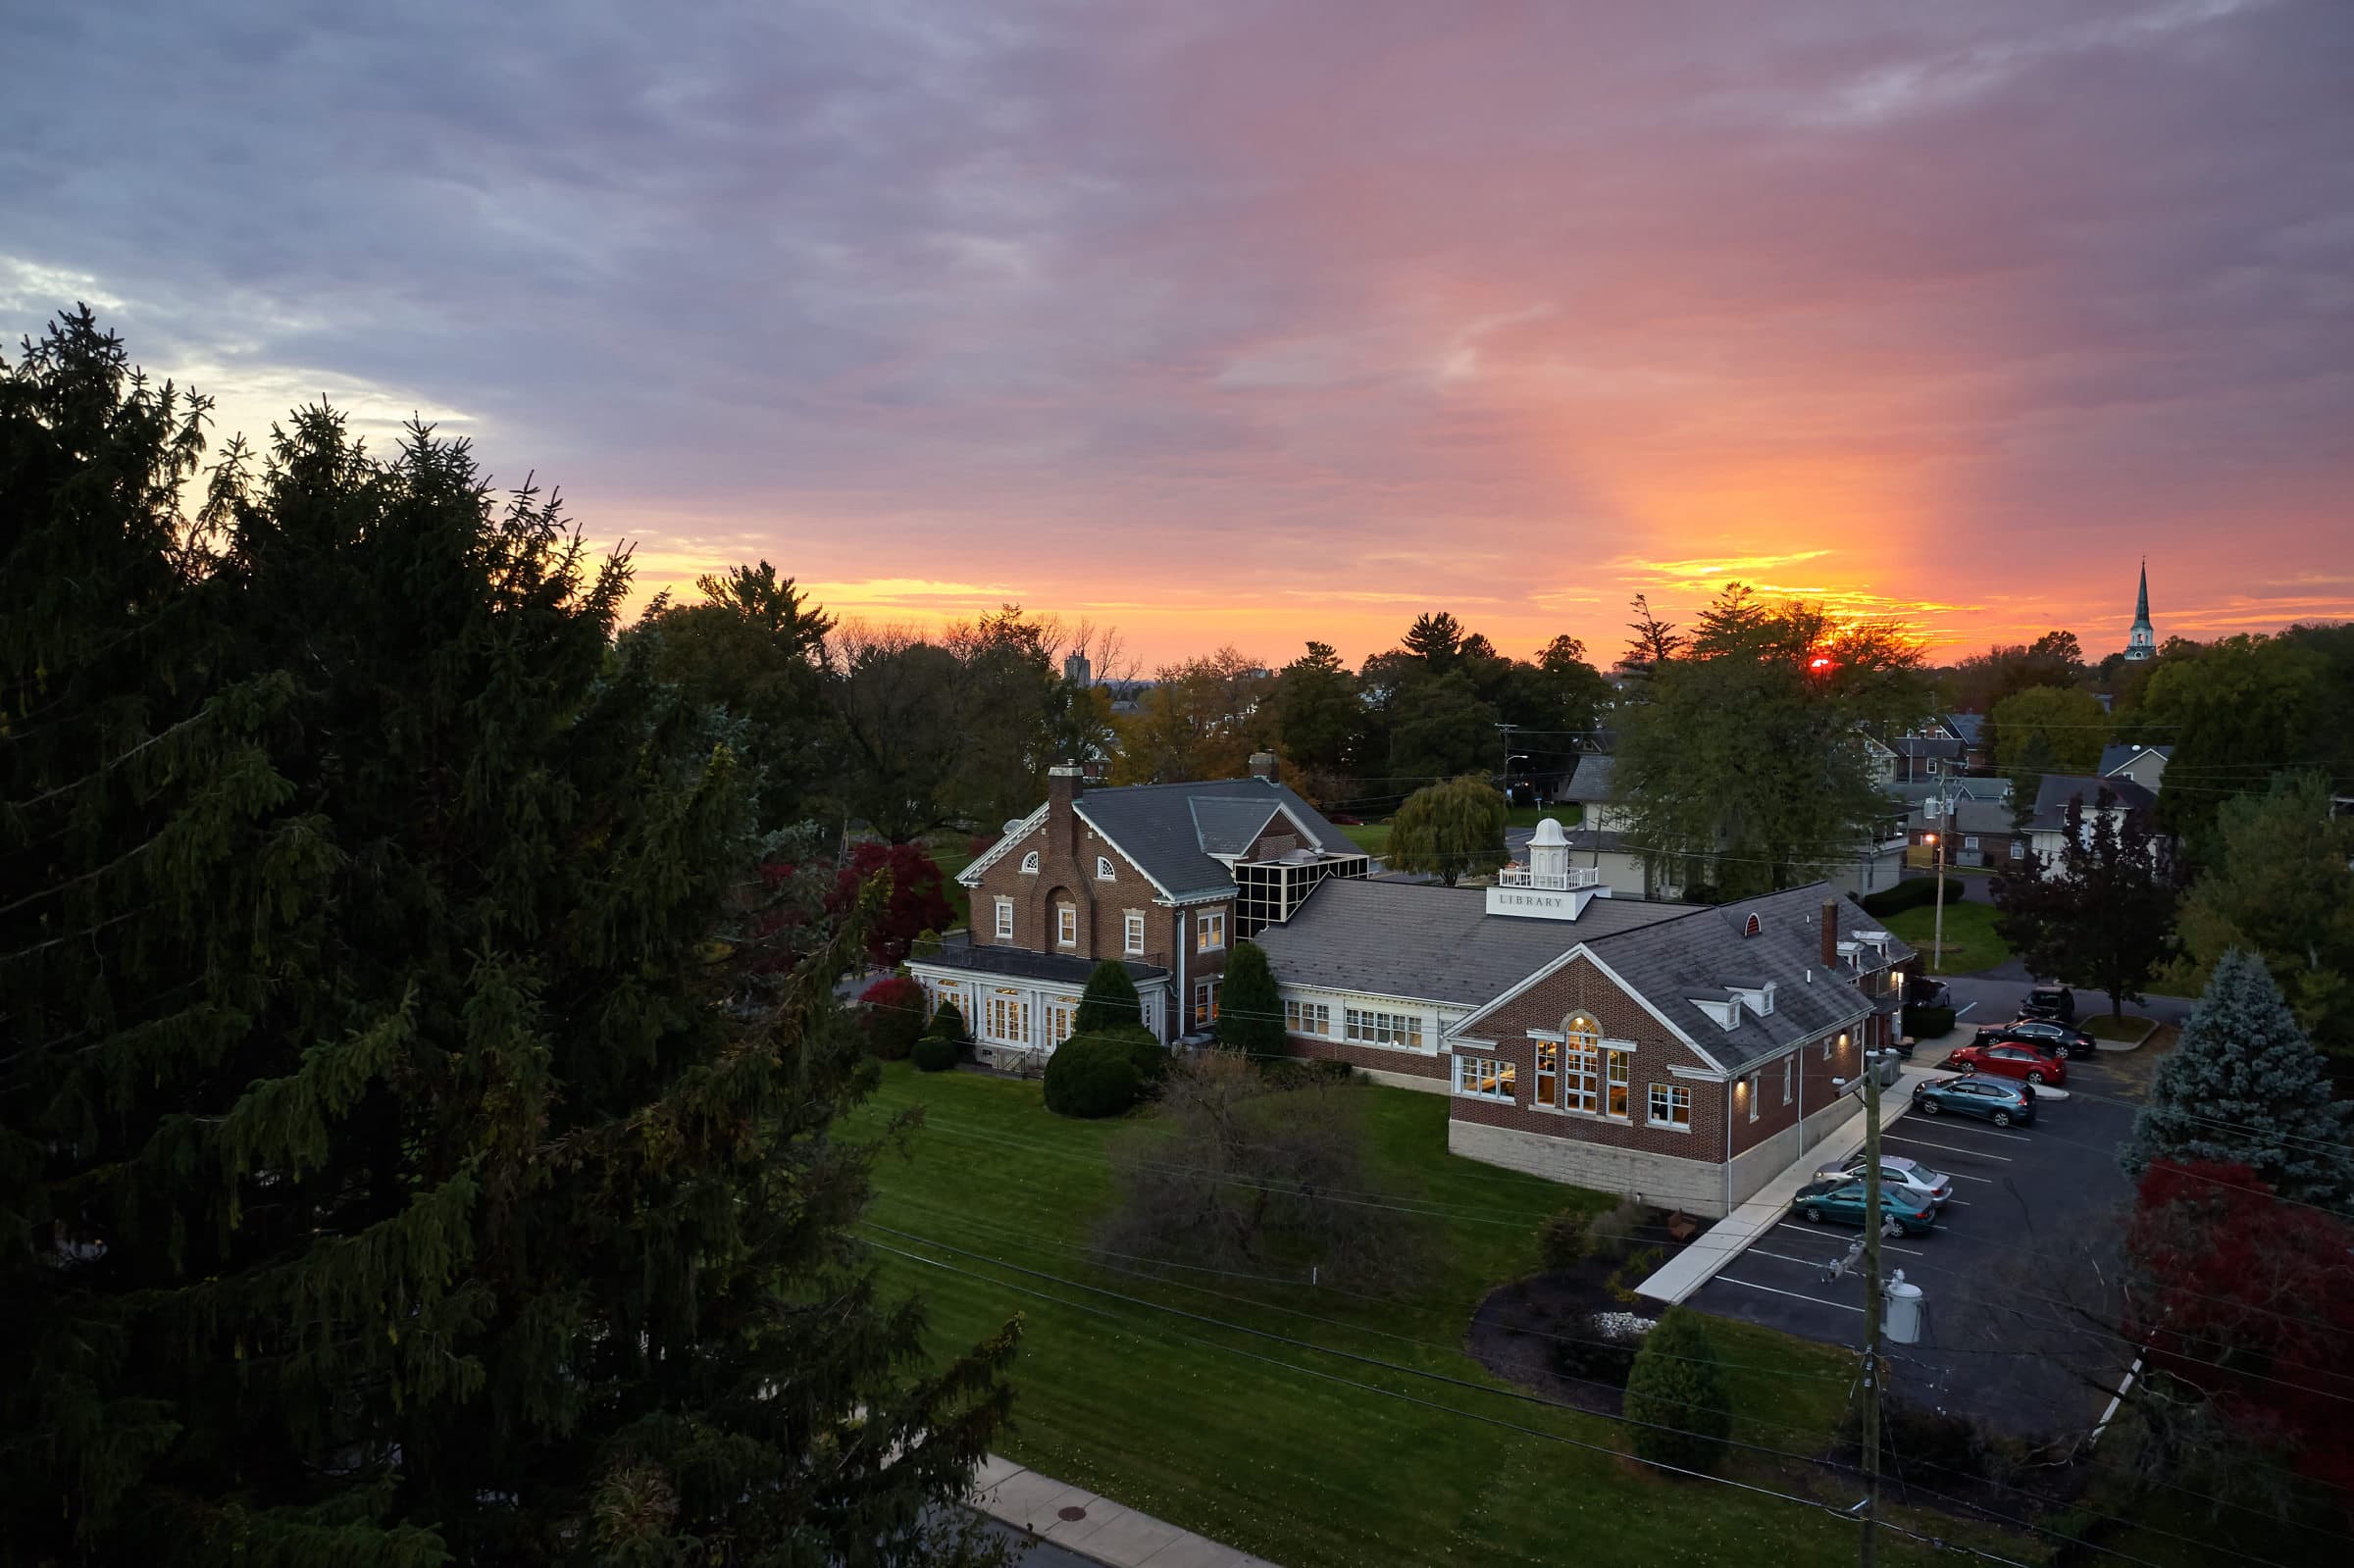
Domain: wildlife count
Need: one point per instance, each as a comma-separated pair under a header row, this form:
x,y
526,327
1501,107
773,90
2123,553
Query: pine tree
x,y
1677,1387
1109,1001
409,1181
1249,1008
2245,1086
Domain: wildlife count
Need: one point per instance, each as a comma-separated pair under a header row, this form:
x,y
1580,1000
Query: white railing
x,y
1559,881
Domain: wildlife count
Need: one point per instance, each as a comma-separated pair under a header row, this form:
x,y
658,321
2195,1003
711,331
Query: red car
x,y
2012,1059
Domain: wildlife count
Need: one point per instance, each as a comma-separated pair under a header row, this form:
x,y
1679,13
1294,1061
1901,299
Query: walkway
x,y
1094,1527
1697,1264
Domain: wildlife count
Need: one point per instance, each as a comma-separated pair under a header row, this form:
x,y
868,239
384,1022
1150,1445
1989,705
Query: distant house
x,y
1589,790
1977,833
2114,799
1686,1054
1163,877
1923,758
1970,730
2144,765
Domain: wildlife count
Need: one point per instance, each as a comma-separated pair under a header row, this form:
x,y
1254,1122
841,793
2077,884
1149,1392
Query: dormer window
x,y
1103,872
1751,927
1029,864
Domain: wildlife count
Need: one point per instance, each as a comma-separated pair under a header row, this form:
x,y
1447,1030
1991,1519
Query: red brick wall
x,y
1409,1064
1067,871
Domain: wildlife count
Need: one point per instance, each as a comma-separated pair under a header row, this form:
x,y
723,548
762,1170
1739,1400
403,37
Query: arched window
x,y
1102,867
1029,864
1581,1063
1752,928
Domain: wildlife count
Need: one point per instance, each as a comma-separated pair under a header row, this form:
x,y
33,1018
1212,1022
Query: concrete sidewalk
x,y
1697,1264
1101,1529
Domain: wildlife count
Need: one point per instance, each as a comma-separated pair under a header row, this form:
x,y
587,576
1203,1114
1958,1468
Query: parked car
x,y
1921,993
2050,1001
1895,1171
1841,1198
2012,1059
1995,1099
2064,1039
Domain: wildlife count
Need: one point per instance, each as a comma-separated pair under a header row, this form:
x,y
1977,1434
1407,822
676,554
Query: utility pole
x,y
1873,1222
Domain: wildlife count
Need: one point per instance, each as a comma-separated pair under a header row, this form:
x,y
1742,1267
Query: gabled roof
x,y
1429,944
1963,725
1945,746
1970,816
1165,828
2059,789
1668,963
2115,757
1592,781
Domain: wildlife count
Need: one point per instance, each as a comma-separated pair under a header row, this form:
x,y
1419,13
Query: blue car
x,y
1994,1099
1841,1198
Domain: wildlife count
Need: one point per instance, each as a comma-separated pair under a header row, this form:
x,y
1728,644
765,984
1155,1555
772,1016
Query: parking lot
x,y
2019,1274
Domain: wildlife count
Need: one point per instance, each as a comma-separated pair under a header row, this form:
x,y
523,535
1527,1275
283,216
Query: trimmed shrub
x,y
1146,1055
1613,1232
1562,1241
1677,1385
1108,1002
1911,892
1928,1023
949,1023
1093,1075
935,1055
895,1017
1249,1008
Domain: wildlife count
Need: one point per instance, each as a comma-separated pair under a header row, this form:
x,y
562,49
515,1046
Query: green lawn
x,y
1374,838
1294,1452
2100,1025
1971,941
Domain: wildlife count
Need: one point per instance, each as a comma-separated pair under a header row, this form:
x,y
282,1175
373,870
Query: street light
x,y
1937,940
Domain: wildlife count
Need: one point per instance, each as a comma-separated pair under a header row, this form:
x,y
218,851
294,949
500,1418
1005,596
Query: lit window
x,y
1306,1018
1059,1017
1205,1002
1102,867
1029,864
1486,1077
1614,1072
1581,1087
1066,925
1005,920
1382,1029
1671,1106
1549,1074
1209,931
1133,928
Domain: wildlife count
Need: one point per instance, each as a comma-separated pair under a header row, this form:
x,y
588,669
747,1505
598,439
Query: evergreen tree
x,y
2245,1086
1250,1009
1678,1387
2102,913
1109,1001
409,1182
1449,830
1435,640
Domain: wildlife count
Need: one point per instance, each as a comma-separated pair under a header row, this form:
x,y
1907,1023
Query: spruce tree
x,y
1109,1001
1676,1387
2245,1086
1249,1008
408,1177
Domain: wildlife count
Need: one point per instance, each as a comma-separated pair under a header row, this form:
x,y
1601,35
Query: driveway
x,y
1991,997
2016,1276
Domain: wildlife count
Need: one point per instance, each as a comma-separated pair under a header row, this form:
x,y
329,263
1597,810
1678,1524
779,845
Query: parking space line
x,y
1949,1148
1811,1230
1784,1257
1796,1296
1962,1176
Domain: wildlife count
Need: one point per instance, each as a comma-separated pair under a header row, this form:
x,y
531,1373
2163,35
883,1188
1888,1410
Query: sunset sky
x,y
1244,320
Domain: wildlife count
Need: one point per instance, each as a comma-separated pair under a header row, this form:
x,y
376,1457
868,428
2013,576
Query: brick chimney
x,y
1066,784
1263,765
1831,933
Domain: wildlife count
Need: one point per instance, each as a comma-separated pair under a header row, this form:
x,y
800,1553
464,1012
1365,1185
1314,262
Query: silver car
x,y
1895,1171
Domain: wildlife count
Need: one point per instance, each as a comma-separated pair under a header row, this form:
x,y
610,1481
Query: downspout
x,y
1184,998
1727,1102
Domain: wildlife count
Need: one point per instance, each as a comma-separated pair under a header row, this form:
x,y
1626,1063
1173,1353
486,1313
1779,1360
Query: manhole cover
x,y
1071,1513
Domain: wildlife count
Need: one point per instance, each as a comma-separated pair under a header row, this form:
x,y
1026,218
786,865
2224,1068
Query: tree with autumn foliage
x,y
404,1158
916,902
2245,1305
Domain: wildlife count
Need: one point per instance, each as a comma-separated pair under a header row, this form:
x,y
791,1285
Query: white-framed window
x,y
1751,1083
1029,864
2018,849
1365,1027
1617,1097
1209,931
1103,871
1547,1090
1789,1068
1005,920
1969,840
1132,931
1005,1019
1066,925
1671,1106
1306,1018
1581,1077
1484,1077
1205,1002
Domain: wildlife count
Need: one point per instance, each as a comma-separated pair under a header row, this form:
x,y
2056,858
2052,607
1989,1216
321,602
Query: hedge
x,y
1928,1023
934,1054
1093,1075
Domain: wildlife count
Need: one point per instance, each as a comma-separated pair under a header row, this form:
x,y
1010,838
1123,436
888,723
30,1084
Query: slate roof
x,y
1966,725
1945,746
958,952
2059,789
1970,816
1591,781
1587,841
1162,828
2116,757
1431,943
1228,827
1913,792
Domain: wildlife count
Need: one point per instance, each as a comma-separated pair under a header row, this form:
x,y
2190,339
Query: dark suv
x,y
2050,1001
2064,1039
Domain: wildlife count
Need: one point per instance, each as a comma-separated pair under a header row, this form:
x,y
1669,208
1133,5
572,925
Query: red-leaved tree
x,y
2249,1300
917,903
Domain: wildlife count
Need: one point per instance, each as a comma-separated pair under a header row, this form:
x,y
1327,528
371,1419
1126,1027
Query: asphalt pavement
x,y
2015,1276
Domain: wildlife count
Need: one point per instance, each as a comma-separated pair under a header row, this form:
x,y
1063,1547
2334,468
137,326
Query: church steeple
x,y
2142,641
